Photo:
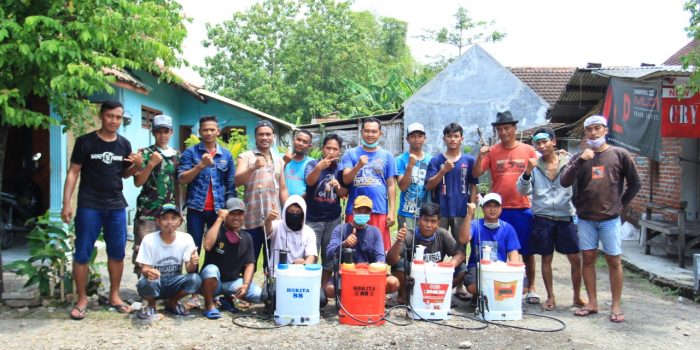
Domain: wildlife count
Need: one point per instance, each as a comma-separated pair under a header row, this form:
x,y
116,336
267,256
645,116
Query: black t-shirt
x,y
230,258
437,249
101,172
322,203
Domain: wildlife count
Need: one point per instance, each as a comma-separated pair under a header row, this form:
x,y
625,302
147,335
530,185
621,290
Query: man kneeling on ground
x,y
229,262
489,231
365,239
161,256
438,244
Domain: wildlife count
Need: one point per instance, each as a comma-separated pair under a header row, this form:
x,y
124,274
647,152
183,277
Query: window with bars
x,y
147,114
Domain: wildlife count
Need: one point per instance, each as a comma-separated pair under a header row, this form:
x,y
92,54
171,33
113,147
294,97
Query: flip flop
x,y
178,310
80,314
532,298
617,318
228,305
212,314
585,312
463,296
122,308
548,307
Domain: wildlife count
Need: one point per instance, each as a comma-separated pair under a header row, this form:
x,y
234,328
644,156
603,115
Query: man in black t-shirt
x,y
438,245
102,159
229,254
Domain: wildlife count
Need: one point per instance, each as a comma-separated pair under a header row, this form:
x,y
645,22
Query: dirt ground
x,y
655,319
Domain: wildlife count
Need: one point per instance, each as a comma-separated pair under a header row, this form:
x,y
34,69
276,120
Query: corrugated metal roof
x,y
642,73
236,104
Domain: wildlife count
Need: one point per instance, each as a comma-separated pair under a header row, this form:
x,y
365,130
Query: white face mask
x,y
597,143
492,225
168,152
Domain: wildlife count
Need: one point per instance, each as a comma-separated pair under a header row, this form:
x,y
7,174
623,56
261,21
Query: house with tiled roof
x,y
675,59
548,82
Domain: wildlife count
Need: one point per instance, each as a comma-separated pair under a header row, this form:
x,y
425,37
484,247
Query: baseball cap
x,y
235,204
262,123
162,121
415,127
595,119
169,208
492,197
362,201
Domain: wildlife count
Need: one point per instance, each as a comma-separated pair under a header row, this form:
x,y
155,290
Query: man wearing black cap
x,y
262,175
229,262
506,161
161,257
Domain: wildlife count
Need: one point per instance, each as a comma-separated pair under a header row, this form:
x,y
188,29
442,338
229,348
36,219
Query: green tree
x,y
58,50
692,59
465,31
314,47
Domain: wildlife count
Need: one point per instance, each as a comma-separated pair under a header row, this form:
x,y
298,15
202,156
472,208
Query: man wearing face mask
x,y
291,234
295,161
370,171
365,239
600,175
489,231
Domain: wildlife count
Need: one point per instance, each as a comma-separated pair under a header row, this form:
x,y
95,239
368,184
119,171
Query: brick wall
x,y
666,181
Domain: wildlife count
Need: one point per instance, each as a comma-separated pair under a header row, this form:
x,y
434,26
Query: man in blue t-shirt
x,y
411,168
295,163
369,170
450,178
489,231
323,192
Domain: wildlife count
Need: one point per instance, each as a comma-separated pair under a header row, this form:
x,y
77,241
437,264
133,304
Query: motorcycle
x,y
20,207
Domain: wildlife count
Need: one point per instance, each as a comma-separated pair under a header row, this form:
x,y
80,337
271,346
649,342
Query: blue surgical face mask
x,y
370,145
597,143
361,219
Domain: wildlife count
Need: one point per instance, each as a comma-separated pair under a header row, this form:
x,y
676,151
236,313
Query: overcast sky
x,y
553,33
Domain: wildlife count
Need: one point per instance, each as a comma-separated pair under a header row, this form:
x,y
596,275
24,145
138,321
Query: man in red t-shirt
x,y
506,161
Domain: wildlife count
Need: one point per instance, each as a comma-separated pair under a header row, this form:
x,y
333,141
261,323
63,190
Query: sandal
x,y
585,312
212,314
228,305
178,310
122,308
617,318
532,298
80,314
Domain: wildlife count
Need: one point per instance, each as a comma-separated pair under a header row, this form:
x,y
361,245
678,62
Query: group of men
x,y
295,202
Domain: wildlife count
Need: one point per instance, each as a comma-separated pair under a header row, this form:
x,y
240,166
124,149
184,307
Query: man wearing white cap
x,y
600,173
411,168
490,231
157,180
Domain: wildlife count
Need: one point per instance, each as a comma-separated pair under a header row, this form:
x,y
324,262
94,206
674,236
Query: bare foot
x,y
580,302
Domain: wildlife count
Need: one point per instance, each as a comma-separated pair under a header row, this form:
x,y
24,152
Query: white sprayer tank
x,y
297,289
432,290
502,284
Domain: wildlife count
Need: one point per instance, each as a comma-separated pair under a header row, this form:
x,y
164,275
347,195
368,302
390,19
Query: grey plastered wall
x,y
470,92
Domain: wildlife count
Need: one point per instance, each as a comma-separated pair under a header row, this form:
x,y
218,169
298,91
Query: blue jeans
x,y
229,288
196,221
89,223
606,231
166,287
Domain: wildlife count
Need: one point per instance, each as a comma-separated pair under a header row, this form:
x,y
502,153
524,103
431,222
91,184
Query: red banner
x,y
679,118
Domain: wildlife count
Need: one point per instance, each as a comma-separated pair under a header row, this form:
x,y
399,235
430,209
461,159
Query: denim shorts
x,y
606,231
548,235
88,225
230,287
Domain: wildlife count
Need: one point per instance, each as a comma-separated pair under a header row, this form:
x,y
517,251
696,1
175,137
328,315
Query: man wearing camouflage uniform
x,y
158,180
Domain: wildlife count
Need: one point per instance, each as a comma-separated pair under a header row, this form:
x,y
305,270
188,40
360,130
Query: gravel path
x,y
654,319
